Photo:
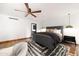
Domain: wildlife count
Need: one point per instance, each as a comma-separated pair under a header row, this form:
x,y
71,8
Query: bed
x,y
51,39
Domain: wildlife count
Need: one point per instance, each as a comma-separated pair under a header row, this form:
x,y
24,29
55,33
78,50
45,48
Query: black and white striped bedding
x,y
35,49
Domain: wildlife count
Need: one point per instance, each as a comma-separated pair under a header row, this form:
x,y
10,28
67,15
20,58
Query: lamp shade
x,y
69,26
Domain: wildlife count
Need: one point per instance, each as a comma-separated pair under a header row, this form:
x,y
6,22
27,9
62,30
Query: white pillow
x,y
58,32
42,30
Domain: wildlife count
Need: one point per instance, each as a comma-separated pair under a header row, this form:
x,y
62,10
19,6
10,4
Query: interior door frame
x,y
33,28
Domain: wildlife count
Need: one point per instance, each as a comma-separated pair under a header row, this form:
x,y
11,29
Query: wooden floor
x,y
72,48
72,51
5,44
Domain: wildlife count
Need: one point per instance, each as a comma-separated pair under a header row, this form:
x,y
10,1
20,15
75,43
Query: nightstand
x,y
70,39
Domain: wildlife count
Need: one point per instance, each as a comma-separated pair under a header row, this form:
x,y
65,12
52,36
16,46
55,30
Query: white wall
x,y
9,9
11,29
56,14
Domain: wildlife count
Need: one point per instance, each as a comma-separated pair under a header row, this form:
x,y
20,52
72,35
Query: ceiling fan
x,y
29,11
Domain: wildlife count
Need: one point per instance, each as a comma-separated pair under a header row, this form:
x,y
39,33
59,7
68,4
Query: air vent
x,y
12,18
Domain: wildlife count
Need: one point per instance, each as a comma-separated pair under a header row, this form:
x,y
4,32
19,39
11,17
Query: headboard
x,y
55,27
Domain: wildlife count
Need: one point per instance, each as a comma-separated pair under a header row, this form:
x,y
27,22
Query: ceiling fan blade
x,y
36,11
27,6
33,15
19,10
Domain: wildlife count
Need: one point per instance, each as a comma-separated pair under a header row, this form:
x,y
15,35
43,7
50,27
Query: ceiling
x,y
49,10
